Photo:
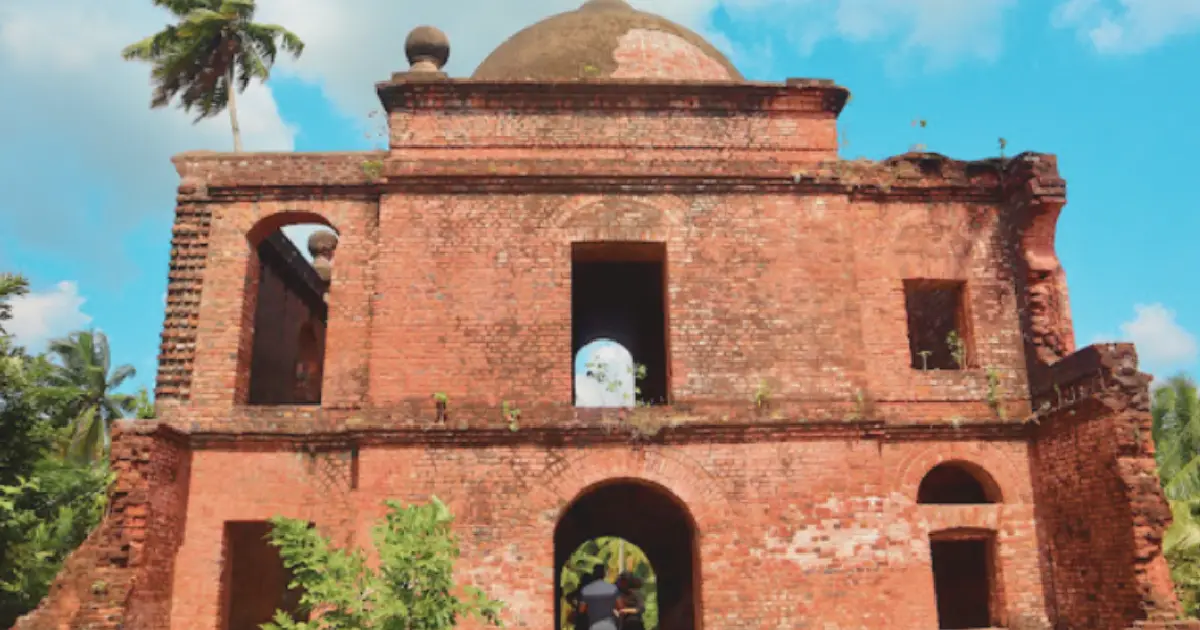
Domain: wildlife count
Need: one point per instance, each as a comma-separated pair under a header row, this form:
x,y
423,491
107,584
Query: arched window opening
x,y
957,483
966,580
659,542
605,375
618,295
289,280
620,562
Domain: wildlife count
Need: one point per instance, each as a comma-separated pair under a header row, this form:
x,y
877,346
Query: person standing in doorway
x,y
599,600
629,603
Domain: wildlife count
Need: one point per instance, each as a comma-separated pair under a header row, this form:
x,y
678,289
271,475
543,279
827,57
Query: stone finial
x,y
321,246
427,48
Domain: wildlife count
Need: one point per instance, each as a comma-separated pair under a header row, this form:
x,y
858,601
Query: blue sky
x,y
89,190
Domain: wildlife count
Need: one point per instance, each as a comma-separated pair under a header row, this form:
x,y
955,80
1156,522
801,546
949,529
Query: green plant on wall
x,y
958,349
993,392
511,414
413,587
762,394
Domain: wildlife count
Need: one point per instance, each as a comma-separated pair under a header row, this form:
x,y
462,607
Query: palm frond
x,y
120,375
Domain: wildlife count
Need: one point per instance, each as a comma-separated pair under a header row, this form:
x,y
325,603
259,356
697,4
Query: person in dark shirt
x,y
629,602
599,601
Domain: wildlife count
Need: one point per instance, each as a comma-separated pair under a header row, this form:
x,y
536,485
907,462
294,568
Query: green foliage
x,y
412,589
762,395
993,392
42,520
10,286
611,551
48,503
1175,428
958,349
372,169
143,406
85,382
512,414
213,51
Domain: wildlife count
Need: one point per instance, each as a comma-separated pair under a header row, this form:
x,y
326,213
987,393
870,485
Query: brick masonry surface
x,y
785,268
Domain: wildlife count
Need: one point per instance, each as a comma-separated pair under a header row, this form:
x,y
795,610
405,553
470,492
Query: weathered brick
x,y
785,267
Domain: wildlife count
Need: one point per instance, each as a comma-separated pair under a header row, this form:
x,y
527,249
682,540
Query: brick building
x,y
863,407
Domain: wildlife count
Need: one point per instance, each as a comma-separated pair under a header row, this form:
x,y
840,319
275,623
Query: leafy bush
x,y
413,589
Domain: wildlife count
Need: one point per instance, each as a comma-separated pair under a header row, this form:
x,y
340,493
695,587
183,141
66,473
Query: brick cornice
x,y
796,96
288,435
912,177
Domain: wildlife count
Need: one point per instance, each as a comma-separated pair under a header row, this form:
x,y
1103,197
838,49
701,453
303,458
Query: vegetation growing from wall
x,y
413,588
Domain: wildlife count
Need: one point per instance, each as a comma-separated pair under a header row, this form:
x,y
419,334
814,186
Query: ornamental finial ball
x,y
427,48
321,244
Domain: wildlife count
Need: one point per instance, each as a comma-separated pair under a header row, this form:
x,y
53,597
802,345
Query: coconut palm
x,y
1176,431
212,54
11,286
84,381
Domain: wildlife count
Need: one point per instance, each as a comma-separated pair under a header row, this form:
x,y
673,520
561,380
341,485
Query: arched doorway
x,y
650,517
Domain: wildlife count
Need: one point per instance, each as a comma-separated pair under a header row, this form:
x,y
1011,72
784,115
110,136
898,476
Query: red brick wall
x,y
476,291
843,542
1100,510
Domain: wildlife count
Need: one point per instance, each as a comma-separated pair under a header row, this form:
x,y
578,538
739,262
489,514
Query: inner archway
x,y
655,521
618,556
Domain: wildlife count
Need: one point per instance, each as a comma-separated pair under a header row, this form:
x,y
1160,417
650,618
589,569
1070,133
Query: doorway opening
x,y
254,584
964,571
651,521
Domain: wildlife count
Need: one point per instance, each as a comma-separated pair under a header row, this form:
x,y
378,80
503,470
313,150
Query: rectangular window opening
x,y
939,336
255,582
618,323
963,576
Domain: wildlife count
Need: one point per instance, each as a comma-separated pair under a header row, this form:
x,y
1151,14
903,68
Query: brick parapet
x,y
795,96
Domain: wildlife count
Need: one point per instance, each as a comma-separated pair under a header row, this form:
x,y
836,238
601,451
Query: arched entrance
x,y
650,517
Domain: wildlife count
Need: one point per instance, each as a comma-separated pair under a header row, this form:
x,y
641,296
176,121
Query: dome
x,y
606,39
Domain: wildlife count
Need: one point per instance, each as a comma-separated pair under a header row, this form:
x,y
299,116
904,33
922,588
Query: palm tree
x,y
211,55
1176,431
83,380
11,286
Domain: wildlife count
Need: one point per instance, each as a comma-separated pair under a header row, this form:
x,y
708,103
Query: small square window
x,y
938,335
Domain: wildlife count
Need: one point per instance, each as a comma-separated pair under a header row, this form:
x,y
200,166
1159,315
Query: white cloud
x,y
1128,26
39,317
1163,345
84,156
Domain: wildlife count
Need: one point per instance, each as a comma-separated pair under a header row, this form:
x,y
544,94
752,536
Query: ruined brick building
x,y
864,408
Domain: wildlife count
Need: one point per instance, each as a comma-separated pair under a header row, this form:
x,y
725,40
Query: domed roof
x,y
606,39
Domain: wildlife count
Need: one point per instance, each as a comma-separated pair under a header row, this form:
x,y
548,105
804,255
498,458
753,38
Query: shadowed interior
x,y
652,519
